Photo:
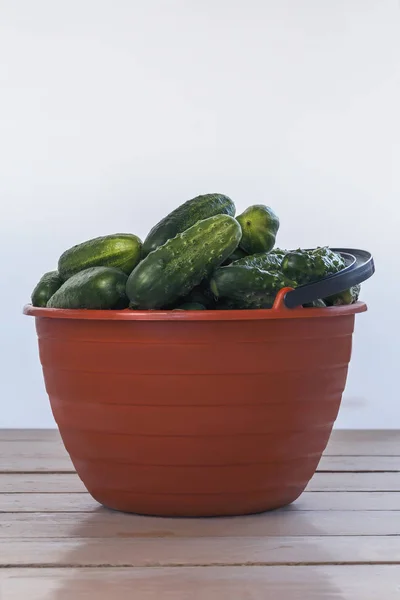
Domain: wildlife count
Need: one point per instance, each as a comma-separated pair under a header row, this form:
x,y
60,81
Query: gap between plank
x,y
199,565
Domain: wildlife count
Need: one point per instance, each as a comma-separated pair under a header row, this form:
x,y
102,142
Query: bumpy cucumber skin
x,y
185,216
256,301
47,286
259,225
174,269
247,287
99,288
120,251
307,266
267,261
349,296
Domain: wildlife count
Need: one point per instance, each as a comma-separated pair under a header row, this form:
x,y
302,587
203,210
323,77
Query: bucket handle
x,y
361,269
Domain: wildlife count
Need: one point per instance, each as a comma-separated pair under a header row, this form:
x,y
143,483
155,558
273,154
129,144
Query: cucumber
x,y
120,250
186,215
47,286
225,304
247,287
267,261
94,288
315,304
201,294
349,296
259,225
174,269
307,266
191,306
236,255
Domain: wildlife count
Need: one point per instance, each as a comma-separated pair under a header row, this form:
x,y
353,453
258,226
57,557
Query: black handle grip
x,y
360,267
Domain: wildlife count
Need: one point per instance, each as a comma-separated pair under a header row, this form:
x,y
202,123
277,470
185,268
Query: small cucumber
x,y
174,269
186,215
95,288
47,286
247,287
120,251
259,225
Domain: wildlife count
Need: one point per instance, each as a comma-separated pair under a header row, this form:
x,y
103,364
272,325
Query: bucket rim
x,y
195,315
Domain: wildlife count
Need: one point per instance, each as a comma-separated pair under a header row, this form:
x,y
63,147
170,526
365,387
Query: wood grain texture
x,y
40,482
286,522
278,523
360,482
205,551
70,483
30,435
342,442
283,522
340,539
50,457
364,443
203,583
360,463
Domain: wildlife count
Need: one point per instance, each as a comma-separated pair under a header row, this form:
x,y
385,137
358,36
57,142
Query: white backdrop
x,y
112,112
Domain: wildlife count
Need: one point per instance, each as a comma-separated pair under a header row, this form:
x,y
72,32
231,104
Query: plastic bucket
x,y
195,413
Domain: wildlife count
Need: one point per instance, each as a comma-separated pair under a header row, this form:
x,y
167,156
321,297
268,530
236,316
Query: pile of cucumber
x,y
198,257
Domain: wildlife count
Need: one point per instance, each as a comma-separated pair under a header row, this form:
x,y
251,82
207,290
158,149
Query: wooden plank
x,y
277,523
44,457
30,435
337,482
351,501
104,523
360,463
36,464
333,522
342,442
70,482
200,551
357,482
47,503
40,482
364,443
367,582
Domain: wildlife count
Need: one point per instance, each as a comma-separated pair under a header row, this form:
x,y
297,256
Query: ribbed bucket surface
x,y
195,413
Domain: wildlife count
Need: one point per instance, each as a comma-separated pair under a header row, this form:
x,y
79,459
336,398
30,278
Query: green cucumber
x,y
236,255
247,287
191,306
349,296
95,288
267,261
120,251
174,269
259,225
47,286
315,304
307,266
185,216
200,294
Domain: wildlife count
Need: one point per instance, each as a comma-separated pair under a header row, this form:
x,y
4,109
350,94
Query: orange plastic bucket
x,y
195,413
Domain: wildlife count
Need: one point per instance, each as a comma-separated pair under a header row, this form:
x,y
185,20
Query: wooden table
x,y
340,540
